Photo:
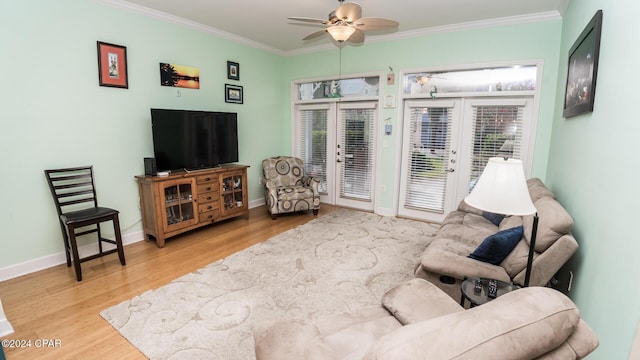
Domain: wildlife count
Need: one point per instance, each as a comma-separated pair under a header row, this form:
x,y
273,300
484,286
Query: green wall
x,y
522,42
54,114
593,171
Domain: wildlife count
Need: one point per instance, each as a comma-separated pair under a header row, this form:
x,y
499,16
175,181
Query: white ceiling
x,y
264,23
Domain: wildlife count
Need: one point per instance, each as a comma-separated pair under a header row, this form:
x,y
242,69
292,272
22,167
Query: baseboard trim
x,y
45,262
256,203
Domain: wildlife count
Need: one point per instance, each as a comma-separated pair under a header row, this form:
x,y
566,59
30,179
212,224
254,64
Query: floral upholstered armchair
x,y
286,188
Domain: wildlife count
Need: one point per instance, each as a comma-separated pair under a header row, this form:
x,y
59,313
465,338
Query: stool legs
x,y
71,246
74,252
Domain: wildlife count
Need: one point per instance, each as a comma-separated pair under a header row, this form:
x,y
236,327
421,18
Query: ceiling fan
x,y
346,24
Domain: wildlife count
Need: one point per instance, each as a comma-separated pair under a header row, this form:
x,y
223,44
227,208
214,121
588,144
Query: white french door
x,y
430,154
447,143
355,154
337,143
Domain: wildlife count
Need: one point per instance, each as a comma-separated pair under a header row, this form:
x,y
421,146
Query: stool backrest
x,y
72,188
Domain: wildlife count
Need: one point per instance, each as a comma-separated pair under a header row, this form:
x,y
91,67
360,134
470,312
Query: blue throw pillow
x,y
498,246
496,219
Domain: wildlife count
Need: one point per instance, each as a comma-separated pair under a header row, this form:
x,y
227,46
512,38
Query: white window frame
x,y
528,141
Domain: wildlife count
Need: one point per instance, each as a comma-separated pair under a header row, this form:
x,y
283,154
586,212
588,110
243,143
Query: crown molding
x,y
511,20
544,16
190,24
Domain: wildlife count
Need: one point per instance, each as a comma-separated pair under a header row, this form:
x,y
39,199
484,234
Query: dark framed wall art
x,y
233,70
233,94
583,69
112,65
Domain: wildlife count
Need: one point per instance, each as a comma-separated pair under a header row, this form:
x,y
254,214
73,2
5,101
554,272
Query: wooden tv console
x,y
184,201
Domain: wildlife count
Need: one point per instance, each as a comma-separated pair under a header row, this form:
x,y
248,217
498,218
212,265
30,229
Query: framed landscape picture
x,y
233,94
112,65
179,76
582,70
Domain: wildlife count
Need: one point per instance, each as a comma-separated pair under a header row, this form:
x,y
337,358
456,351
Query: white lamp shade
x,y
341,33
502,189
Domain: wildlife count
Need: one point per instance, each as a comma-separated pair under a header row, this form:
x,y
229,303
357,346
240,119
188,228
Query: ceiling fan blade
x,y
349,11
316,34
366,24
357,37
309,20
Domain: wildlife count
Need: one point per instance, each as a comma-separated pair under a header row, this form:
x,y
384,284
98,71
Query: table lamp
x,y
502,189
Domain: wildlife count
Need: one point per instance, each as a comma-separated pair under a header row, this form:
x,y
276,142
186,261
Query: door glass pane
x,y
356,149
360,87
429,151
497,131
313,144
511,78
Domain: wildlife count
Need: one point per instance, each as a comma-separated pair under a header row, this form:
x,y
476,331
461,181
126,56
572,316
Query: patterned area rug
x,y
337,262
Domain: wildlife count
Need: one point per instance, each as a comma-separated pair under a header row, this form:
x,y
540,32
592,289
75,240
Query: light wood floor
x,y
52,305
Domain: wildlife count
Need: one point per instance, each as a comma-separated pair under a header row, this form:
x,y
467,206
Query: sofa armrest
x,y
269,184
547,320
290,340
447,263
270,195
578,345
547,264
311,182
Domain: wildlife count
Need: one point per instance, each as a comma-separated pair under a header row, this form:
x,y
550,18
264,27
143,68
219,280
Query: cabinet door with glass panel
x,y
233,190
179,204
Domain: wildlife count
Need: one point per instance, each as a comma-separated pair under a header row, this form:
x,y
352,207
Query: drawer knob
x,y
209,207
209,198
207,179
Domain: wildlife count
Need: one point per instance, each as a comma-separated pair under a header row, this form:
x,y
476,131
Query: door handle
x,y
450,170
339,160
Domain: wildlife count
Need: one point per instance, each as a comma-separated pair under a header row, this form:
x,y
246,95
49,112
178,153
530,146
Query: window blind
x,y
312,142
357,152
429,146
497,132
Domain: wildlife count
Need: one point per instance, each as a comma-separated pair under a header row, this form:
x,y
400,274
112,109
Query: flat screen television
x,y
191,140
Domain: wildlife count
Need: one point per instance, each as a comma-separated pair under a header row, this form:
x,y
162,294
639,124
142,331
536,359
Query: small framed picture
x,y
112,65
233,70
233,94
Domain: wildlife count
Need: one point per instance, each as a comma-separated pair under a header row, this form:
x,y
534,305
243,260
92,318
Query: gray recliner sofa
x,y
417,320
445,261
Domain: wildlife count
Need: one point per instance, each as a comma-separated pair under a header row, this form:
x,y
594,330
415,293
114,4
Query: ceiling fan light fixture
x,y
341,33
346,24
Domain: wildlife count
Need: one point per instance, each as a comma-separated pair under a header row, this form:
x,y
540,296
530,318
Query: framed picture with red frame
x,y
112,65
